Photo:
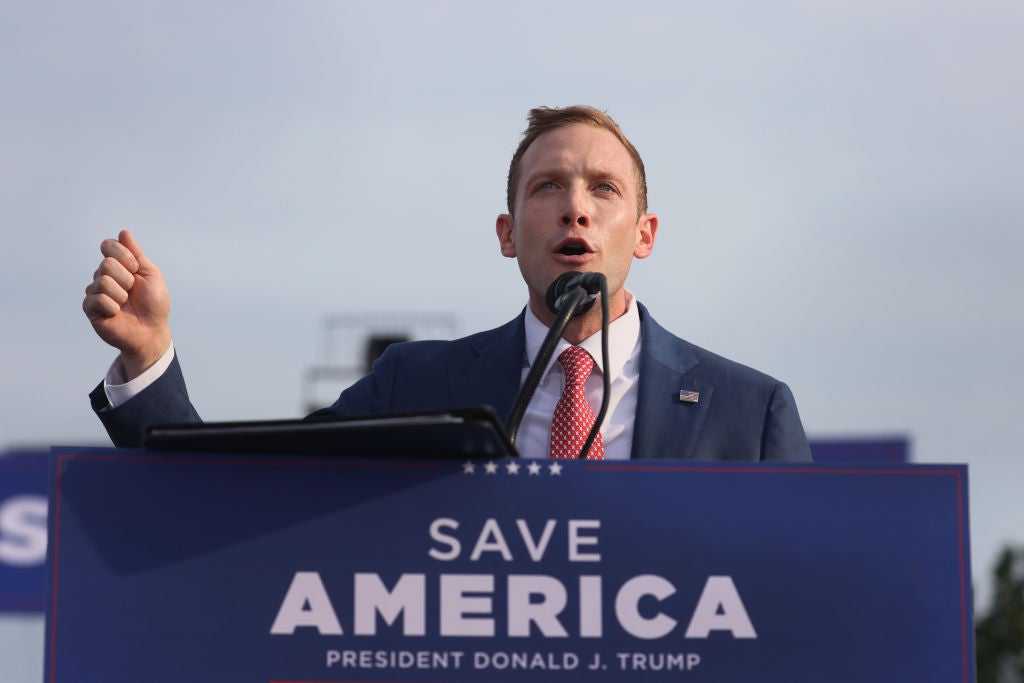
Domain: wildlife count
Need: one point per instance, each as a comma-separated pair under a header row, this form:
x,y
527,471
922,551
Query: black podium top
x,y
474,432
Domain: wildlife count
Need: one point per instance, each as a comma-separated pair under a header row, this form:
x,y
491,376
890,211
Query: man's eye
x,y
606,187
546,185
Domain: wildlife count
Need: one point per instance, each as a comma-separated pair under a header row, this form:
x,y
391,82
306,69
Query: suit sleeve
x,y
784,437
162,402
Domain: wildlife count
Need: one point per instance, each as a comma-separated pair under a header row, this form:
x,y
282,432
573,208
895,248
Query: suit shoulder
x,y
439,350
695,360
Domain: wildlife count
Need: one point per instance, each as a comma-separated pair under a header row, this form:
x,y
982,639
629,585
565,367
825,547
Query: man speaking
x,y
577,202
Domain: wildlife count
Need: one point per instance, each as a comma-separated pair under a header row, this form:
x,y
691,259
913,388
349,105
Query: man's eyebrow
x,y
542,173
590,172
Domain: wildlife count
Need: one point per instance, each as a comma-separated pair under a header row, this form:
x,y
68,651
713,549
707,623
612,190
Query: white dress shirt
x,y
534,437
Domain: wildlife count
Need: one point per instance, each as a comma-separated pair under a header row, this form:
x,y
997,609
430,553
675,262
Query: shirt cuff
x,y
119,391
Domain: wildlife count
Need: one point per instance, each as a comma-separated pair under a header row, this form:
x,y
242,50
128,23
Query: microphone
x,y
560,293
569,295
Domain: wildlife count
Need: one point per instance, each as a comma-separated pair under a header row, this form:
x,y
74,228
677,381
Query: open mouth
x,y
573,248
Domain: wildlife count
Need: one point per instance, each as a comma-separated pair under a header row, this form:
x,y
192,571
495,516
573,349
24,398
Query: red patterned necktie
x,y
574,417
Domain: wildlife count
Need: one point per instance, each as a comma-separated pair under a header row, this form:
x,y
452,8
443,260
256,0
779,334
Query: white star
x,y
555,468
468,468
491,468
534,467
512,466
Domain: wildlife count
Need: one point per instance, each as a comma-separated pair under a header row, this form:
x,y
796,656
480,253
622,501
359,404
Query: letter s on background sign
x,y
24,478
23,530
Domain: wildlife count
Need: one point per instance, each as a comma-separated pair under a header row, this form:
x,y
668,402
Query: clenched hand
x,y
128,304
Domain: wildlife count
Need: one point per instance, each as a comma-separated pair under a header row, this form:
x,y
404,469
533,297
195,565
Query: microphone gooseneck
x,y
606,382
571,294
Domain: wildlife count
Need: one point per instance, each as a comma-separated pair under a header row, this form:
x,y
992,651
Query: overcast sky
x,y
839,186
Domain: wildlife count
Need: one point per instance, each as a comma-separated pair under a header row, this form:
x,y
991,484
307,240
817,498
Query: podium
x,y
167,566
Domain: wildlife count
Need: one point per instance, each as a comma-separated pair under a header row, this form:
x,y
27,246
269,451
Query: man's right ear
x,y
504,228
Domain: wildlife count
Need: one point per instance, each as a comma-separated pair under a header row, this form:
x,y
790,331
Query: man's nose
x,y
576,210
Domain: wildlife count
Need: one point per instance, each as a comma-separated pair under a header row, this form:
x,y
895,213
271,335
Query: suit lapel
x,y
490,369
665,426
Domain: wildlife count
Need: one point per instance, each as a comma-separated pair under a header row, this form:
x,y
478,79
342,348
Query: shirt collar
x,y
623,336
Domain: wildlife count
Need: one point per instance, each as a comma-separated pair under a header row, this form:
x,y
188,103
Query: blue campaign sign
x,y
167,567
23,484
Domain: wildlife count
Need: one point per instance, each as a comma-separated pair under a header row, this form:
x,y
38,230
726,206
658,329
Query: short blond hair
x,y
544,119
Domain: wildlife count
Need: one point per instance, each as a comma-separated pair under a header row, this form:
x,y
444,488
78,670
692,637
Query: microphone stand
x,y
547,348
607,383
575,298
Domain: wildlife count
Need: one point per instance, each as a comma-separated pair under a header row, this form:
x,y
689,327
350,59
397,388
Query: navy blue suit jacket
x,y
741,414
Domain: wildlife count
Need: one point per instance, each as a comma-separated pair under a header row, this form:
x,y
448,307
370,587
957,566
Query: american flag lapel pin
x,y
687,396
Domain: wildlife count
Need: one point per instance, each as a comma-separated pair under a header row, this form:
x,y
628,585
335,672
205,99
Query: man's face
x,y
576,210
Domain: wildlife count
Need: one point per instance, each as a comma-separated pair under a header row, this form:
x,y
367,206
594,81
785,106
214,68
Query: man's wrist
x,y
135,364
119,388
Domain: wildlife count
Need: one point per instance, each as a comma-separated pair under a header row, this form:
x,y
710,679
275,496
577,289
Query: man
x,y
577,201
